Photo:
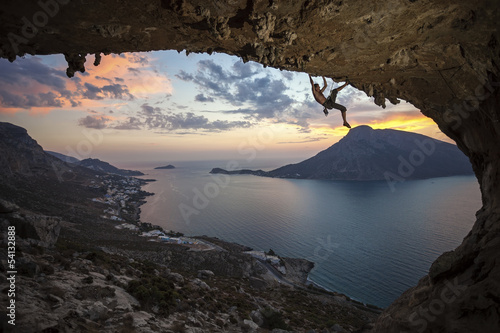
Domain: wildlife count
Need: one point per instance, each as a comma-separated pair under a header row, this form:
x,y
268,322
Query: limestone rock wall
x,y
441,56
30,228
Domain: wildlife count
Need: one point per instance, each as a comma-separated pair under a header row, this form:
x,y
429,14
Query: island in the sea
x,y
170,166
375,154
239,172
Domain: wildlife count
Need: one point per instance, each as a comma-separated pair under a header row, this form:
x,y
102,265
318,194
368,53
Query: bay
x,y
366,240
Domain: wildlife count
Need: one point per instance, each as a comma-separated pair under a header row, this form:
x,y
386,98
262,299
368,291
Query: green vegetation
x,y
153,290
273,319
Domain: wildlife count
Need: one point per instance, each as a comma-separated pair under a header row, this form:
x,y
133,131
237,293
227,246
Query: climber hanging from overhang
x,y
329,103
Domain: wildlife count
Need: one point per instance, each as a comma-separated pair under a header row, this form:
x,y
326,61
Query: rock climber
x,y
328,102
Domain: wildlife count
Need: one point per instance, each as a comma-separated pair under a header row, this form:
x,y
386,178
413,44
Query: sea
x,y
368,240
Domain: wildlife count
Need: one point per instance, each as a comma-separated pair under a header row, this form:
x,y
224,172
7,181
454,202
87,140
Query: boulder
x,y
205,274
257,317
97,311
257,283
249,325
43,230
176,277
201,284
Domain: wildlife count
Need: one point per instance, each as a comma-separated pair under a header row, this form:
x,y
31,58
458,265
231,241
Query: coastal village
x,y
122,198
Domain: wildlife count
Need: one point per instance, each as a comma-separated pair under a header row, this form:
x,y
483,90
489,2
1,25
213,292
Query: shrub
x,y
153,291
273,319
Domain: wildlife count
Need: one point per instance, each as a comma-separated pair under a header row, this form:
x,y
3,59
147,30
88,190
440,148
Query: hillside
x,y
95,164
98,165
65,158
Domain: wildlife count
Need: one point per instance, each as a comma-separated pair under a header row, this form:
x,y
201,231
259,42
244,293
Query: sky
x,y
166,106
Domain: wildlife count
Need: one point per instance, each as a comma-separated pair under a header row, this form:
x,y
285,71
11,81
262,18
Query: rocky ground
x,y
75,272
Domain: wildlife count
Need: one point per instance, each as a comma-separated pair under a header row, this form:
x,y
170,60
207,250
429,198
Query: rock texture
x,y
35,229
442,57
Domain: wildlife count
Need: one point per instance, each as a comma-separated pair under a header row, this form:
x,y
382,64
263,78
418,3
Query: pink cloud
x,y
30,84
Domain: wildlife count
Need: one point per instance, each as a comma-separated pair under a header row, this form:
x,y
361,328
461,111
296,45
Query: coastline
x,y
304,282
91,272
212,240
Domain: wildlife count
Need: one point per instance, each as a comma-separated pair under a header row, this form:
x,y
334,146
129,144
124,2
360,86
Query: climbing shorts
x,y
330,102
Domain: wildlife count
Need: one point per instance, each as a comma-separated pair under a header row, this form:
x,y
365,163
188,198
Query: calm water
x,y
367,242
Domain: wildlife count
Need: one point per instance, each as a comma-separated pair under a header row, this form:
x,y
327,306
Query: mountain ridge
x,y
65,158
95,164
98,165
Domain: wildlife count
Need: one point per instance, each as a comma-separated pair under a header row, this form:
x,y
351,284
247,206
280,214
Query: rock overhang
x,y
410,50
442,57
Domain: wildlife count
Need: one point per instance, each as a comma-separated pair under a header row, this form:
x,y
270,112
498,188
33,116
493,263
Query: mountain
x,y
65,158
20,155
170,166
95,164
98,165
38,181
381,154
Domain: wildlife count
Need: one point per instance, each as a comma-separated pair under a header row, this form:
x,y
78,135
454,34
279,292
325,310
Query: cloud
x,y
155,118
114,91
104,79
303,125
132,123
30,83
139,59
117,91
203,98
184,76
134,70
259,94
96,122
92,92
49,99
149,110
244,85
21,71
189,121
